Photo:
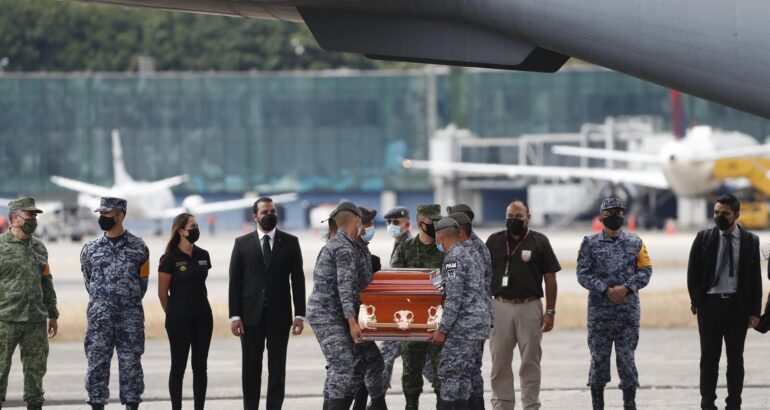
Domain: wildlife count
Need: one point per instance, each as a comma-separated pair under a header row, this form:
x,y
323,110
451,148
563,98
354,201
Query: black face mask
x,y
430,230
107,223
515,226
193,235
268,222
613,222
722,222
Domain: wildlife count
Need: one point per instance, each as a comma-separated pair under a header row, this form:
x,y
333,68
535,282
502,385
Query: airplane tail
x,y
119,167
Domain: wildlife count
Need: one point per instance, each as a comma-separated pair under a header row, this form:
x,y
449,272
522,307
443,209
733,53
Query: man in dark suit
x,y
265,272
724,279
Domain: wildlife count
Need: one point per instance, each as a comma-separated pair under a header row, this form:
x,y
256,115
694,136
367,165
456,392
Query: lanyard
x,y
509,254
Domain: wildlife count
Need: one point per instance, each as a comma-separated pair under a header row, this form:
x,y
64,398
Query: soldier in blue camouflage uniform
x,y
466,319
463,215
367,264
27,301
419,252
333,309
116,269
613,265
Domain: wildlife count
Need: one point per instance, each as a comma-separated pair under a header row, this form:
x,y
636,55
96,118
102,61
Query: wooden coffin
x,y
401,304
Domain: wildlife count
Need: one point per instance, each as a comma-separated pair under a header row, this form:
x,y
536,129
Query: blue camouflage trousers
x,y
124,332
390,350
477,380
458,363
374,368
345,365
621,331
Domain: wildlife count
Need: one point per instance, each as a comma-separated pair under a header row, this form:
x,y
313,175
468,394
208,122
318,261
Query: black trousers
x,y
253,346
720,319
187,333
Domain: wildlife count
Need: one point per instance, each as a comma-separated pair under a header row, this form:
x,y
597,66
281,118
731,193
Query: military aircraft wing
x,y
647,178
80,186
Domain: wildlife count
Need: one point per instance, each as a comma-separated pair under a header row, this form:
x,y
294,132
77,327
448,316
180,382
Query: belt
x,y
721,295
516,301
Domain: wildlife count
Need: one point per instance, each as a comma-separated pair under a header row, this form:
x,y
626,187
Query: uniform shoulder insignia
x,y
450,269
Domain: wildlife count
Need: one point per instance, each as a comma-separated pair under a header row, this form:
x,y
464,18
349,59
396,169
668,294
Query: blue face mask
x,y
394,231
368,234
440,248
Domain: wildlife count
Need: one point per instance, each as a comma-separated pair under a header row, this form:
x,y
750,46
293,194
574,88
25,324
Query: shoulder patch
x,y
450,270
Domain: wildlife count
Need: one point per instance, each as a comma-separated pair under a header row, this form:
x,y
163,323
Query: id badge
x,y
505,281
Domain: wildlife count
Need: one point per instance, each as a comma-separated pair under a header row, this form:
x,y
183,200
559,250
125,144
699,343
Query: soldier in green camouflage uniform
x,y
419,252
27,301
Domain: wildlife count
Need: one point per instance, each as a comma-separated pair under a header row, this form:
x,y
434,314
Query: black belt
x,y
721,295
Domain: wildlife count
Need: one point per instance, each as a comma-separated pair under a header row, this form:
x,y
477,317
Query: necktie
x,y
726,260
729,246
266,252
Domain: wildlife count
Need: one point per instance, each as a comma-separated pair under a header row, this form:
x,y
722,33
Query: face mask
x,y
107,223
430,230
29,226
722,222
368,234
394,231
515,226
193,235
613,222
440,248
268,222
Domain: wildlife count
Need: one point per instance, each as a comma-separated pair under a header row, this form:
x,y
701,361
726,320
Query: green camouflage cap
x,y
432,211
23,204
445,223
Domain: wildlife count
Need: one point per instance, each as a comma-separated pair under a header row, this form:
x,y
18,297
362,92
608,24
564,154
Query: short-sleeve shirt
x,y
529,259
187,292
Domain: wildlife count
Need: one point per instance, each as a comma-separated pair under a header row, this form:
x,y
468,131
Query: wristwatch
x,y
550,312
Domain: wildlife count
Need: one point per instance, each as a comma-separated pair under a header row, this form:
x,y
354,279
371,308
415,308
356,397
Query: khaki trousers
x,y
516,325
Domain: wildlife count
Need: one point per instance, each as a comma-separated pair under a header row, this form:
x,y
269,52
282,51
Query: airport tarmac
x,y
667,362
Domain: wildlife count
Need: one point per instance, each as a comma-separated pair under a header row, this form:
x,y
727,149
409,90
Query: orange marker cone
x,y
670,227
632,223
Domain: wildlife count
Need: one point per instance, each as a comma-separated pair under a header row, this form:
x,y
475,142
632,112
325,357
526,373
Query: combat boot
x,y
445,404
35,406
359,403
461,404
340,404
97,407
132,406
597,398
629,399
412,402
378,403
476,402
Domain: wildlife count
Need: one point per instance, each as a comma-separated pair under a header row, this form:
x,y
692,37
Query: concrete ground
x,y
667,362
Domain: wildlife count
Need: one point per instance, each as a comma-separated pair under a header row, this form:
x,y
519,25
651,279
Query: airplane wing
x,y
650,178
742,152
221,206
605,154
169,182
80,186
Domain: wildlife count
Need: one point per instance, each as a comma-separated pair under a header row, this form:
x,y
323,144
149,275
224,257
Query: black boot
x,y
38,406
132,406
629,399
597,398
340,404
359,403
476,402
461,404
97,407
445,404
378,403
412,402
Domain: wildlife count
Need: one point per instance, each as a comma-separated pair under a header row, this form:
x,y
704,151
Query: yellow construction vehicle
x,y
754,209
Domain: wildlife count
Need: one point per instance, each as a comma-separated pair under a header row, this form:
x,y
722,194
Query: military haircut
x,y
731,201
344,217
260,200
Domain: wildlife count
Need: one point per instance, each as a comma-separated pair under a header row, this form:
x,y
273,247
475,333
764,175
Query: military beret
x,y
432,211
112,204
367,215
460,217
461,208
398,212
445,223
23,204
346,206
611,203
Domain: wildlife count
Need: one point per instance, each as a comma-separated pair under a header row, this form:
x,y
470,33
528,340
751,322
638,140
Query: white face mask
x,y
394,231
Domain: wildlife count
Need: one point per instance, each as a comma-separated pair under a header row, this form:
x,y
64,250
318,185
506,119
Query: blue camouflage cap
x,y
611,203
398,212
445,223
112,204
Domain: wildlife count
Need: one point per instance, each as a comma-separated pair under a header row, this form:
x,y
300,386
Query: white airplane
x,y
151,200
684,166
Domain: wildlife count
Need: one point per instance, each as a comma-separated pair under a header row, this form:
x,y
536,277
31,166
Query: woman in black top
x,y
182,292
